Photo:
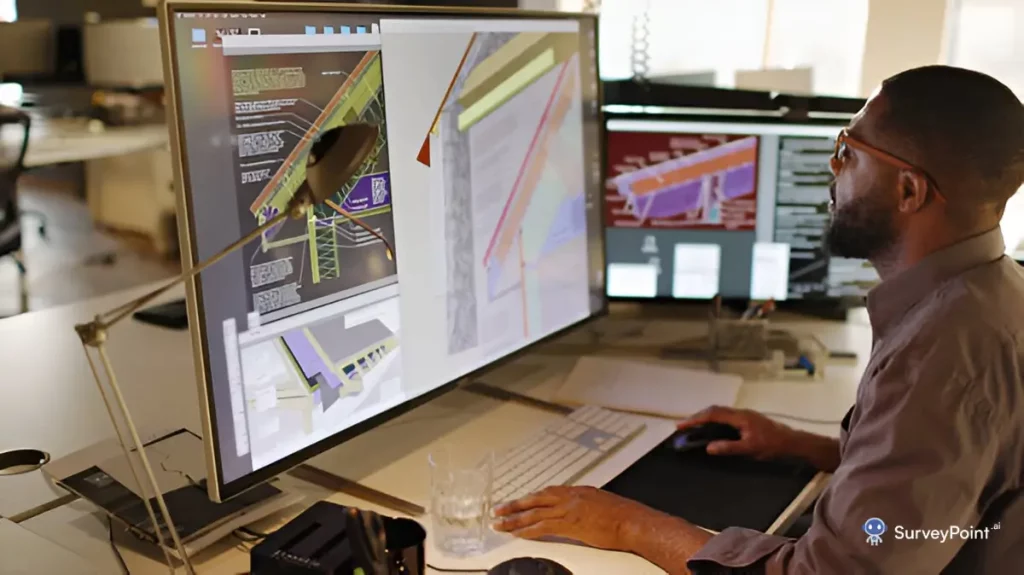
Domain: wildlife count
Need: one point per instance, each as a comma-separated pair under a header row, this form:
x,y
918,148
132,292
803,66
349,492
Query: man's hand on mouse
x,y
760,437
584,514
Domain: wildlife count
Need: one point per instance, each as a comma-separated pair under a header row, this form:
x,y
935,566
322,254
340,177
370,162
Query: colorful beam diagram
x,y
494,82
700,180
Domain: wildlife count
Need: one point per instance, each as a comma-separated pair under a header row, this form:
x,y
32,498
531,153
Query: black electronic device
x,y
529,566
700,436
326,539
329,539
172,315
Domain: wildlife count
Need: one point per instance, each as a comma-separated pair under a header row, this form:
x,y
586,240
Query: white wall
x,y
901,34
988,36
684,35
724,36
825,35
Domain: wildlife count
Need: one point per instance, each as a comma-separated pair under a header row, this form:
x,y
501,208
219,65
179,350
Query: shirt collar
x,y
890,300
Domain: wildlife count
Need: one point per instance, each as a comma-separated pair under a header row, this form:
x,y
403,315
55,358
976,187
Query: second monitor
x,y
696,208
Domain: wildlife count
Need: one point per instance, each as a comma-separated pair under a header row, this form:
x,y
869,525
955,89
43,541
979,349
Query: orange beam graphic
x,y
686,173
520,200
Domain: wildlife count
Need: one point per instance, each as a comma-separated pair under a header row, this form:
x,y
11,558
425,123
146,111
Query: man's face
x,y
863,210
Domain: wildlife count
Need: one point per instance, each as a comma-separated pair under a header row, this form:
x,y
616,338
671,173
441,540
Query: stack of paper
x,y
649,387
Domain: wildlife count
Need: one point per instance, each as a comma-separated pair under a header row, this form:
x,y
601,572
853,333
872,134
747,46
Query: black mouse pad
x,y
714,492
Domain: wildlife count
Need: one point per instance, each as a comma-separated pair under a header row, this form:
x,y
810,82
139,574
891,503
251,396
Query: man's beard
x,y
861,229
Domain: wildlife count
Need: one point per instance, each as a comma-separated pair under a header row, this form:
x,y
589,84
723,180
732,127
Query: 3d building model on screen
x,y
507,139
282,103
333,358
302,383
682,181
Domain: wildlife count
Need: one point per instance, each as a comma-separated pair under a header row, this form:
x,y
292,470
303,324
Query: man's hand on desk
x,y
591,516
765,439
603,520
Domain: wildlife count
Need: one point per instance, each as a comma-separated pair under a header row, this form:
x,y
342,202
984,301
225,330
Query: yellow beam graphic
x,y
507,88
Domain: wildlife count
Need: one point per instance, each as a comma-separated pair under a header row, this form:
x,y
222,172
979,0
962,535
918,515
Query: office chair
x,y
10,217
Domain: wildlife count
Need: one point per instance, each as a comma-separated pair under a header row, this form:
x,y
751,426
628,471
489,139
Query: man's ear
x,y
913,190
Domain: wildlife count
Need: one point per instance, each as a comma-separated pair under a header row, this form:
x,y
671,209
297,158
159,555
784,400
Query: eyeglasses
x,y
845,140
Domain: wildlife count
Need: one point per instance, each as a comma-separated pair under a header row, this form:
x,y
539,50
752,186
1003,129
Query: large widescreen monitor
x,y
486,178
732,207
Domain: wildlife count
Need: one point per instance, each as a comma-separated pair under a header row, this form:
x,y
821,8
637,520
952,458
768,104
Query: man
x,y
936,437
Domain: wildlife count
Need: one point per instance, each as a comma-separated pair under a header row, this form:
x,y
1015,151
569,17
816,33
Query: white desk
x,y
24,552
60,141
49,400
51,404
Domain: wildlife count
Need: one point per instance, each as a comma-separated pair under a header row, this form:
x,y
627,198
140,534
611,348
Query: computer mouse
x,y
700,436
529,566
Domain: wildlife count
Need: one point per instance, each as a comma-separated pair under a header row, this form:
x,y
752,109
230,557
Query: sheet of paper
x,y
652,387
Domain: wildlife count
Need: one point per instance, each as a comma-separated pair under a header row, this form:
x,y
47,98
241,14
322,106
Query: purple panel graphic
x,y
671,202
268,214
372,191
308,359
570,223
493,275
739,181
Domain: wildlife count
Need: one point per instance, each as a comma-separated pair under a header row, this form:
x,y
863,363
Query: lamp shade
x,y
336,156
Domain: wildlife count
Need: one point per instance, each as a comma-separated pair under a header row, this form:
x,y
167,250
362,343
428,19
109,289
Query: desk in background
x,y
50,403
128,180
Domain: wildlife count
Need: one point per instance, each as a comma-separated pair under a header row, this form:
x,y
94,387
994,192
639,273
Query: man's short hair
x,y
966,128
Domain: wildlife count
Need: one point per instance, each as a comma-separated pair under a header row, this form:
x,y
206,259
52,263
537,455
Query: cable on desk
x,y
440,570
256,535
801,419
113,546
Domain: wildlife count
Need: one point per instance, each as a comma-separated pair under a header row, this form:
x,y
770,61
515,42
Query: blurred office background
x,y
97,208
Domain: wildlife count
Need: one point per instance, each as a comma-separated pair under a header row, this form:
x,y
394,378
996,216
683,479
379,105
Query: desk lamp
x,y
333,160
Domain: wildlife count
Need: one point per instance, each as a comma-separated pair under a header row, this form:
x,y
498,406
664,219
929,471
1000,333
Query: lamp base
x,y
100,475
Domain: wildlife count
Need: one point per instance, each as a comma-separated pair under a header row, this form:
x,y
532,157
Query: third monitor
x,y
734,207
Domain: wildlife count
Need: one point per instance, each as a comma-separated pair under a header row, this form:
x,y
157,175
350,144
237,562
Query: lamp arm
x,y
112,317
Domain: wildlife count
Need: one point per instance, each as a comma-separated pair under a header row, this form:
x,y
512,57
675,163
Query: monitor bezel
x,y
738,117
217,489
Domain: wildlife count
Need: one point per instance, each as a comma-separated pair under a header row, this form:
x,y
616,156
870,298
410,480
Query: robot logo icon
x,y
874,527
650,245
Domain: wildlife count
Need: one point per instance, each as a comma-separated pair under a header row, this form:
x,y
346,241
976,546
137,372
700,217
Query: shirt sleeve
x,y
919,455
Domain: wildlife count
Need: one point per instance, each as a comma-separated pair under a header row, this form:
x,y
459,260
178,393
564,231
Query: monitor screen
x,y
486,179
695,209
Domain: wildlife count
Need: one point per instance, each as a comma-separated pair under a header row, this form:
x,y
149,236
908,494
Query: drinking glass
x,y
460,500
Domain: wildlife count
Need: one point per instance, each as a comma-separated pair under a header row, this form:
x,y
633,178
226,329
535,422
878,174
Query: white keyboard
x,y
563,451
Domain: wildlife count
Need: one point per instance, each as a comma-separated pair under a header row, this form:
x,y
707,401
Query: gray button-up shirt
x,y
934,446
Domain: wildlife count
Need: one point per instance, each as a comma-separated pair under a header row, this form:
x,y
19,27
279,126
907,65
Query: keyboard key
x,y
578,467
562,452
